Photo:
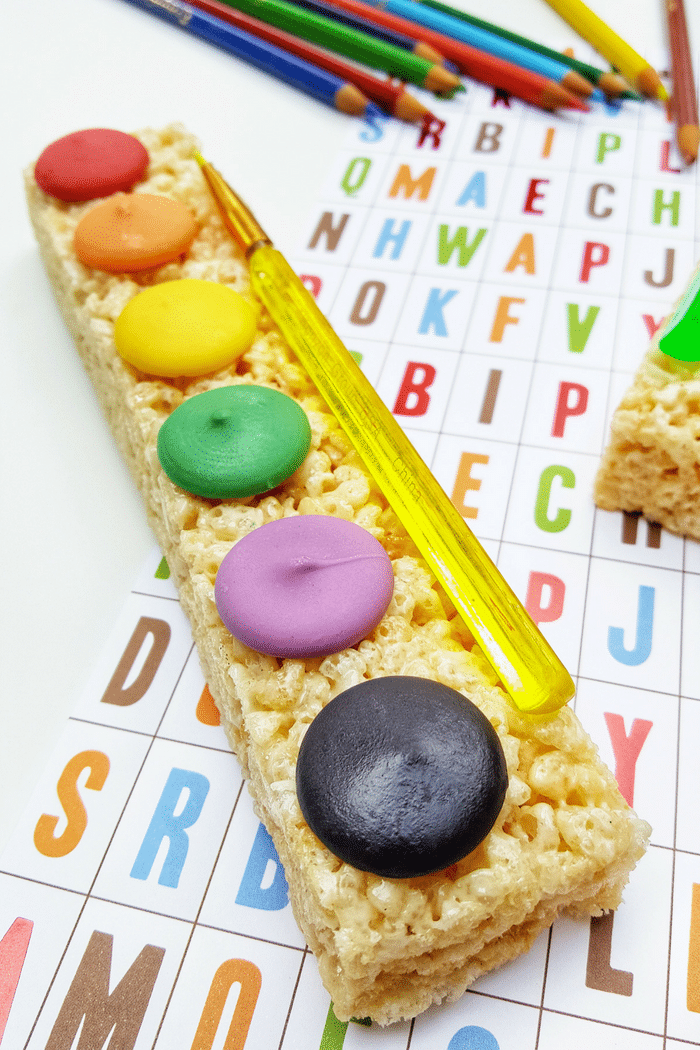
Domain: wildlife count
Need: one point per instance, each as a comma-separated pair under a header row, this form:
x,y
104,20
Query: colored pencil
x,y
495,45
610,83
320,84
635,69
684,101
479,65
362,25
358,46
392,97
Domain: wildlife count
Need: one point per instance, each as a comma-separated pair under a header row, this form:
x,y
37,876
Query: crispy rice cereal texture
x,y
565,839
652,462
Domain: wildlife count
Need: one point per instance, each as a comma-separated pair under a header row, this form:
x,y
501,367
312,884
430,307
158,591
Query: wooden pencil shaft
x,y
319,83
323,31
381,91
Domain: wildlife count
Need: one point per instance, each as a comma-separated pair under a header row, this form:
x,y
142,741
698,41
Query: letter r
x,y
166,824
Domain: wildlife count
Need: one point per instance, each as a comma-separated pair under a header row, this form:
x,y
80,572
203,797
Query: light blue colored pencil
x,y
491,43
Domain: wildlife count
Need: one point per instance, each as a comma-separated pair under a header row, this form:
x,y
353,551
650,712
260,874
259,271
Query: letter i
x,y
548,140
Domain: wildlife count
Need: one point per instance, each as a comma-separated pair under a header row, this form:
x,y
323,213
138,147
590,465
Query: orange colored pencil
x,y
684,100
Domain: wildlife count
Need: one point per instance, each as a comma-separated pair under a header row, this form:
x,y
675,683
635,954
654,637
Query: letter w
x,y
460,242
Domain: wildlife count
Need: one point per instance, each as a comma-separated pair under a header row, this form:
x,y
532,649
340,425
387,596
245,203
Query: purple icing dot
x,y
304,586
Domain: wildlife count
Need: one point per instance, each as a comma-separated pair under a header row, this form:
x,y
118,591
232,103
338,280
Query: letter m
x,y
88,997
406,184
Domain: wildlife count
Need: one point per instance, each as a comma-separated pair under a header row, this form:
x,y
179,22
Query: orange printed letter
x,y
69,797
464,482
233,971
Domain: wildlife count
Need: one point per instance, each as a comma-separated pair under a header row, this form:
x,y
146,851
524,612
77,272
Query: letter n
x,y
88,997
325,228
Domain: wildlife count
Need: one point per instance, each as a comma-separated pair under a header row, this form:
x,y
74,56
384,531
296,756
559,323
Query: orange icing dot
x,y
134,231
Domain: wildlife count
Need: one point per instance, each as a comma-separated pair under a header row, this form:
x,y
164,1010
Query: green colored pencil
x,y
609,83
360,47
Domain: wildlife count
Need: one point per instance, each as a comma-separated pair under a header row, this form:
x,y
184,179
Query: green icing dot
x,y
681,336
234,441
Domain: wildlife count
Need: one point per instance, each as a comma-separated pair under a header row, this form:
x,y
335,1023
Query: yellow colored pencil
x,y
635,69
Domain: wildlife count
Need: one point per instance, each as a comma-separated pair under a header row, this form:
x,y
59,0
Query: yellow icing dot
x,y
184,328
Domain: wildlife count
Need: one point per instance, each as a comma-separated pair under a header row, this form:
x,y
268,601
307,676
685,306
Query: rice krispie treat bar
x,y
652,462
387,948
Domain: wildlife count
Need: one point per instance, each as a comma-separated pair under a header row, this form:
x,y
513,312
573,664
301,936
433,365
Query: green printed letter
x,y
673,206
580,330
460,242
544,494
355,174
607,143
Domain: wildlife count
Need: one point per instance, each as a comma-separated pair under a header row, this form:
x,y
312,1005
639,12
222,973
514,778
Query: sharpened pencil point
x,y
688,138
649,84
578,84
612,84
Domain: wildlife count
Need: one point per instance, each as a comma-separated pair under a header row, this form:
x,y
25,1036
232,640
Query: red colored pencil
x,y
390,96
684,101
496,72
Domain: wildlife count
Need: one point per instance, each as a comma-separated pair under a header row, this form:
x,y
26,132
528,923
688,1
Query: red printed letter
x,y
414,388
534,195
313,283
594,254
13,948
536,584
626,750
564,409
652,324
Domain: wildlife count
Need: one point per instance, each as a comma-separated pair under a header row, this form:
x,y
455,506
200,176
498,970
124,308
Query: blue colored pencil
x,y
489,42
321,85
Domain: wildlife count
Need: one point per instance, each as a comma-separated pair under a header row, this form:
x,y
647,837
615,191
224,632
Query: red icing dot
x,y
92,163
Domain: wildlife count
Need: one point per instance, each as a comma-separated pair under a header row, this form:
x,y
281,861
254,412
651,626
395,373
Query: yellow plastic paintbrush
x,y
531,672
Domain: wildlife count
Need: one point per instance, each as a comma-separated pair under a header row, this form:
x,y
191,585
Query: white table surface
x,y
73,533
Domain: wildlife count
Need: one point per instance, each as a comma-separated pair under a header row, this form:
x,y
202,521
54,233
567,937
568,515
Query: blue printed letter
x,y
645,622
252,893
432,315
395,239
164,824
473,1038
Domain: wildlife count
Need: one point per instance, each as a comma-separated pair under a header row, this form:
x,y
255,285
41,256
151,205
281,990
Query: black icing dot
x,y
401,776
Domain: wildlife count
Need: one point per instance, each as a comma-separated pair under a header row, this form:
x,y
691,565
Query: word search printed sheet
x,y
498,281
